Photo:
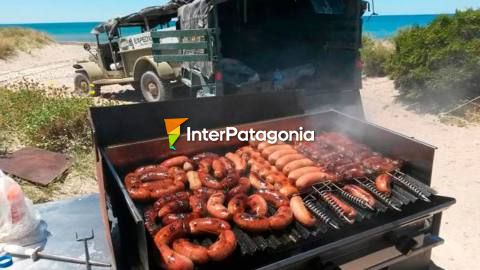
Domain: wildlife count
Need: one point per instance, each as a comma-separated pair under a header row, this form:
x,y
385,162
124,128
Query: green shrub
x,y
13,39
439,65
376,55
51,122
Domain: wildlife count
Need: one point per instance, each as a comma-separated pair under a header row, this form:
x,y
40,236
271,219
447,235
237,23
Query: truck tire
x,y
82,85
153,89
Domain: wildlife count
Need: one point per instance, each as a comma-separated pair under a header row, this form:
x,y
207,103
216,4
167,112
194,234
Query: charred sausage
x,y
348,210
216,207
383,183
360,193
196,253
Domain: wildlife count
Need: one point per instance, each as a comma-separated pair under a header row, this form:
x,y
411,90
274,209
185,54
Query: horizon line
x,y
99,21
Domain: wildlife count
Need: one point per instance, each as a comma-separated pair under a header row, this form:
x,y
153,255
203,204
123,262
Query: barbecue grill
x,y
398,234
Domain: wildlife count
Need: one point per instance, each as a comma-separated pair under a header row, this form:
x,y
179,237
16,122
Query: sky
x,y
34,11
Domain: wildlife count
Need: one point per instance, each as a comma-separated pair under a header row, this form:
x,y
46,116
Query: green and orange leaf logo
x,y
173,130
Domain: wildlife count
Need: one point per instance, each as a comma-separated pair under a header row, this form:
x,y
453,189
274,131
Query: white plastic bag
x,y
19,222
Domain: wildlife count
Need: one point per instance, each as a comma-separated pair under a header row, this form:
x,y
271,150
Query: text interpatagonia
x,y
270,136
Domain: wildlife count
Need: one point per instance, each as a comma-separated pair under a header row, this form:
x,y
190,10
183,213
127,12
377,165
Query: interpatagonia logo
x,y
172,126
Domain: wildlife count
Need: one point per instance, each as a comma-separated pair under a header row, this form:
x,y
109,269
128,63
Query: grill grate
x,y
329,219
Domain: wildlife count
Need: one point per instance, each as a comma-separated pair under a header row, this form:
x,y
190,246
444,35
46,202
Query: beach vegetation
x,y
376,56
438,66
13,39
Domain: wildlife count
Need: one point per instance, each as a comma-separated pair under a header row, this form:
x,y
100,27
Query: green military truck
x,y
217,47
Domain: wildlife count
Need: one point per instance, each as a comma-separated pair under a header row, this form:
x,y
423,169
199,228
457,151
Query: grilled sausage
x,y
194,180
300,212
154,176
242,188
229,166
281,219
273,197
223,247
280,153
237,204
229,181
139,194
172,189
150,216
348,210
171,232
208,225
185,217
219,169
251,222
177,206
203,155
296,164
258,182
267,151
173,260
145,169
360,193
198,203
295,174
164,200
308,179
175,162
197,253
216,208
383,183
157,184
284,160
257,205
239,163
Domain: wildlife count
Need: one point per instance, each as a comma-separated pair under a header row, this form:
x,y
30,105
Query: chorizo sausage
x,y
242,188
177,161
203,155
215,206
208,225
251,222
173,260
262,145
198,203
273,197
223,247
239,163
166,199
258,182
170,232
281,219
237,204
300,212
176,187
383,183
209,181
184,217
196,253
176,206
219,169
257,205
360,193
348,210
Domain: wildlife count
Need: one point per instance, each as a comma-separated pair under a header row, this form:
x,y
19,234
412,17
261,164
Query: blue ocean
x,y
377,26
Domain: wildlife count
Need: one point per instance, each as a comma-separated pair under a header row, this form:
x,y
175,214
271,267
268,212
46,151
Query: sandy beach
x,y
456,171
